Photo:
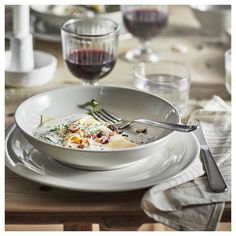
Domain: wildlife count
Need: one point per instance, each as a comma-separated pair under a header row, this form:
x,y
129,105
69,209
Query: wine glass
x,y
90,47
144,22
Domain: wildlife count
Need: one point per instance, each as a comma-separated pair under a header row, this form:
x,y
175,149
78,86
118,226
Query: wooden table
x,y
30,203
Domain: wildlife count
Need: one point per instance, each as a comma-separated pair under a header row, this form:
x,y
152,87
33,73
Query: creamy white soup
x,y
82,131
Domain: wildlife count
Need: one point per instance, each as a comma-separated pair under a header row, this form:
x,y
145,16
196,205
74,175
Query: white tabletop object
x,y
21,21
44,68
21,42
24,66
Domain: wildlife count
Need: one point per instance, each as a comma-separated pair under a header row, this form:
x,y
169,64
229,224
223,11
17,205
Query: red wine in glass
x,y
90,64
145,23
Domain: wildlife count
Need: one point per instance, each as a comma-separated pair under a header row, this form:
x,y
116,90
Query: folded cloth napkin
x,y
186,202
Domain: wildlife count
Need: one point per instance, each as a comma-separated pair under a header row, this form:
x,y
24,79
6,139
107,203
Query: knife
x,y
216,181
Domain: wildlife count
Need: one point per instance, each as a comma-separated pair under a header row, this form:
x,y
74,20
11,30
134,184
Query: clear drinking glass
x,y
90,47
144,22
228,70
166,79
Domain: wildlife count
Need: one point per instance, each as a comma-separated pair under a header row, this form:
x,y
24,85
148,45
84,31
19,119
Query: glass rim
x,y
115,31
228,53
186,68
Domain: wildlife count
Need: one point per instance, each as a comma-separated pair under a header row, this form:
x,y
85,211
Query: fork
x,y
103,115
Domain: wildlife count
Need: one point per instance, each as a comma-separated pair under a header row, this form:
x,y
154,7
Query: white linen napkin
x,y
186,202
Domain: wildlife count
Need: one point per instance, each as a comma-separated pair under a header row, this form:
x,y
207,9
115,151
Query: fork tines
x,y
106,116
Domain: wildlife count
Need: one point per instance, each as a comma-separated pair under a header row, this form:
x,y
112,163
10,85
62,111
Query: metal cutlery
x,y
216,181
103,115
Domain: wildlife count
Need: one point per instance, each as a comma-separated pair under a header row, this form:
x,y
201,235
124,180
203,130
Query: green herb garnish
x,y
65,126
91,106
93,103
54,129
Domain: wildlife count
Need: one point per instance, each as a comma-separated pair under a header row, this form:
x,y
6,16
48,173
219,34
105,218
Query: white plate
x,y
45,32
179,151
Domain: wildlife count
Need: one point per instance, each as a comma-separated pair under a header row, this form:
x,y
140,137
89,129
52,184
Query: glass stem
x,y
89,83
145,49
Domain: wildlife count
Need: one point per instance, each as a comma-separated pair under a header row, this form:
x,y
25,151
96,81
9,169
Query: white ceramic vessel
x,y
127,103
45,66
41,12
167,162
214,19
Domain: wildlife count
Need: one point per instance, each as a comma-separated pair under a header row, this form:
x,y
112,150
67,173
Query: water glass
x,y
166,79
228,70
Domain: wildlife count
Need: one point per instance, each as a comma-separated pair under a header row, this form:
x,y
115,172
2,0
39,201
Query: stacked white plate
x,y
170,154
46,25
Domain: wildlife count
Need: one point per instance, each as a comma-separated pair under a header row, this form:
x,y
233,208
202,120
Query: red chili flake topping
x,y
104,140
100,134
73,128
113,128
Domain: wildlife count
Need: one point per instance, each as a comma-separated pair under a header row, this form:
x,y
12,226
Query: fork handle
x,y
170,126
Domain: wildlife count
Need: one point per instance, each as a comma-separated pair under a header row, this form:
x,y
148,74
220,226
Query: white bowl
x,y
127,103
41,12
45,65
214,19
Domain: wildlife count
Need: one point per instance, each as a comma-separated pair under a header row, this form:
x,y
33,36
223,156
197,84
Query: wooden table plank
x,y
29,202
